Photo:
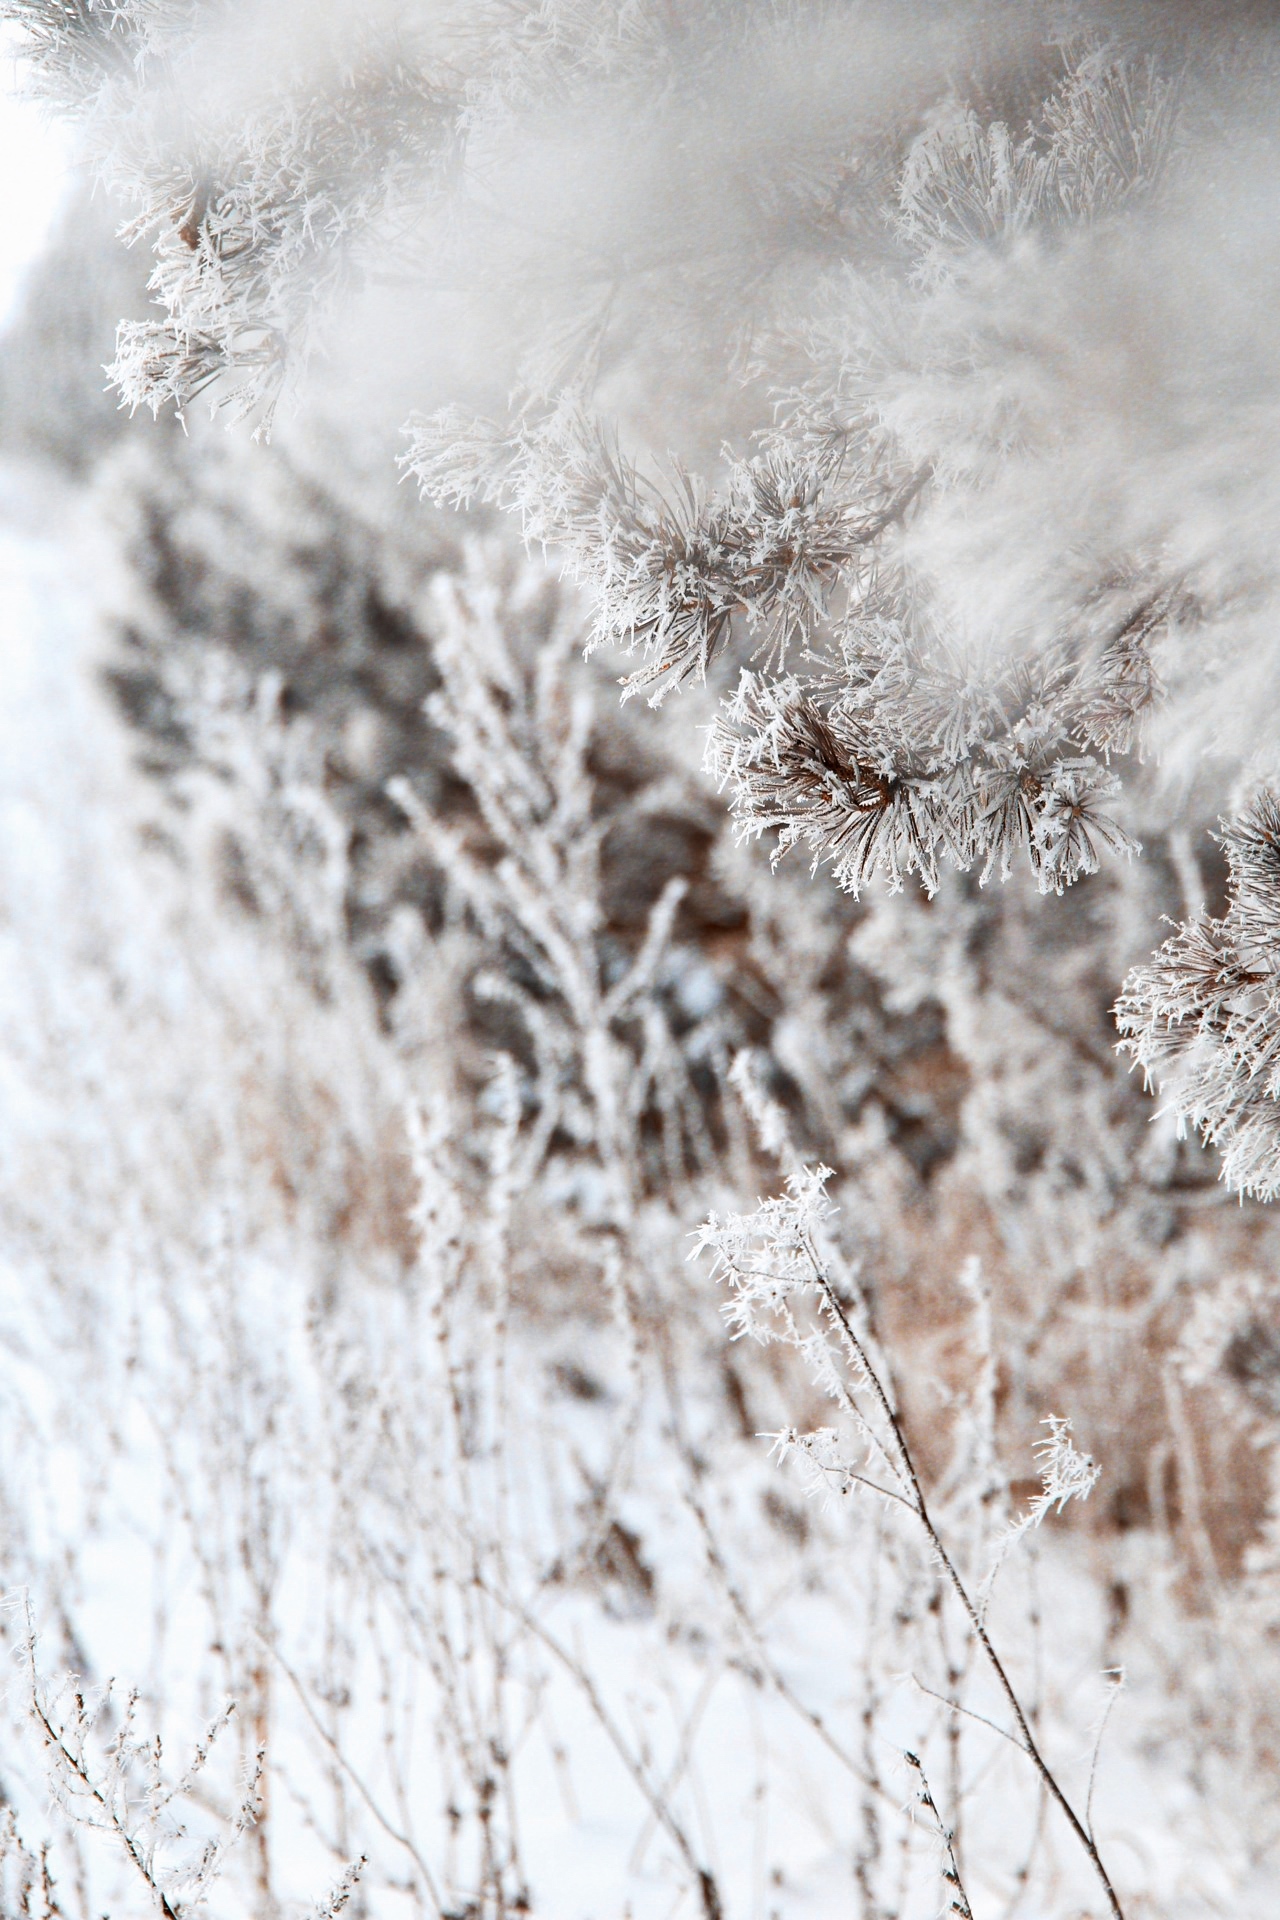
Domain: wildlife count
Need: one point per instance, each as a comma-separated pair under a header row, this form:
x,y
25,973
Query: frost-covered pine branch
x,y
669,567
1202,1018
906,743
912,758
79,49
257,192
1107,135
874,727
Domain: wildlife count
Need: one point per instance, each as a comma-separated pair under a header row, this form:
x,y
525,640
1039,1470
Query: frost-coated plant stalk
x,y
112,1781
779,1256
959,1903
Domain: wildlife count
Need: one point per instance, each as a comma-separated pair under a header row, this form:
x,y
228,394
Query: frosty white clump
x,y
1065,1473
870,782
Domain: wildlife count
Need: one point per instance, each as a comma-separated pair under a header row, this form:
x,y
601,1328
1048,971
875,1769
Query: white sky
x,y
35,161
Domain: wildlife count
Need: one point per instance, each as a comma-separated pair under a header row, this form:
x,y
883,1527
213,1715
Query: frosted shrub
x,y
106,1776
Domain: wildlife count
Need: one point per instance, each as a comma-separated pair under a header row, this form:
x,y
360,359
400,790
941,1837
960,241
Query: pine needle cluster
x,y
1202,1018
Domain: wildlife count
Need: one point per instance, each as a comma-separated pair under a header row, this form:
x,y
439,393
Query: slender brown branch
x,y
959,1904
956,1707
